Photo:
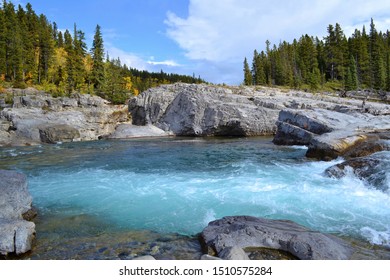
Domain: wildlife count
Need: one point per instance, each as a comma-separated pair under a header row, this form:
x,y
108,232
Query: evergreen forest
x,y
35,53
338,63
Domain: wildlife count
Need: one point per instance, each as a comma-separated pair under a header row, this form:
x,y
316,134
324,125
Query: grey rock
x,y
328,134
16,234
371,169
201,110
207,257
53,134
5,138
233,253
245,231
15,200
81,117
4,125
150,105
125,131
145,258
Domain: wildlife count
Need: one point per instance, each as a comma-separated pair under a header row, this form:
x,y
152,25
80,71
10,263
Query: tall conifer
x,y
97,53
248,81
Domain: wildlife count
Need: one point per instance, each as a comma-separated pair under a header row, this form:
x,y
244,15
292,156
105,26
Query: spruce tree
x,y
377,66
97,53
247,74
351,80
46,48
3,64
13,46
79,52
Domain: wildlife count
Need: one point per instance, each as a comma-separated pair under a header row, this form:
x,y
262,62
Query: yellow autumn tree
x,y
56,72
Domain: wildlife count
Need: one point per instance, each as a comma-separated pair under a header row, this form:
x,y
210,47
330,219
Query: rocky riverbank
x,y
36,117
330,126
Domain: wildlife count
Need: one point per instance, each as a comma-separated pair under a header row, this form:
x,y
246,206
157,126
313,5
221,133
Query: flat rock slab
x,y
126,131
246,231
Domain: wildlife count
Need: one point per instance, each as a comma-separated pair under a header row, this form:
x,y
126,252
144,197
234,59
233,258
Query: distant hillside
x,y
33,52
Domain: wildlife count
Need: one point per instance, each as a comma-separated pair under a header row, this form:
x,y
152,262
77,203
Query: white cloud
x,y
224,31
137,61
130,59
170,63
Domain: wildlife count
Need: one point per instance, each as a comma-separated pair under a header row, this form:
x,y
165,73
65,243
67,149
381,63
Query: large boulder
x,y
245,232
16,234
202,110
53,134
329,134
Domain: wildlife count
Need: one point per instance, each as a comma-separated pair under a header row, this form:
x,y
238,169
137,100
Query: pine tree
x,y
377,67
60,40
46,48
2,46
70,67
79,52
247,74
351,80
388,72
12,44
387,47
97,53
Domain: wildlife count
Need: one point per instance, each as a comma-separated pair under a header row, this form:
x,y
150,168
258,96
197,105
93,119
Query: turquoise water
x,y
178,185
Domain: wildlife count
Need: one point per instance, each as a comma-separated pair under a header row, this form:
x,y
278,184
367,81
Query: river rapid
x,y
145,193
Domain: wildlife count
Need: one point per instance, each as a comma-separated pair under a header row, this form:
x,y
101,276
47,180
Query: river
x,y
147,190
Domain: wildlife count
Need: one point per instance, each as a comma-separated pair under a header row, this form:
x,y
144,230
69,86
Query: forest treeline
x,y
336,62
34,52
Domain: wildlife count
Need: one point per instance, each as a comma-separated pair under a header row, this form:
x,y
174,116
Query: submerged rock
x,y
16,234
245,231
371,169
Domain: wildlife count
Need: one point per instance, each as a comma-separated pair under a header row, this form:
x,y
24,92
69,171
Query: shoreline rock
x,y
16,234
126,131
330,134
246,231
36,117
201,110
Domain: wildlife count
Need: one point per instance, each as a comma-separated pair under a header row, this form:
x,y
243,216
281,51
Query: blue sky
x,y
209,38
